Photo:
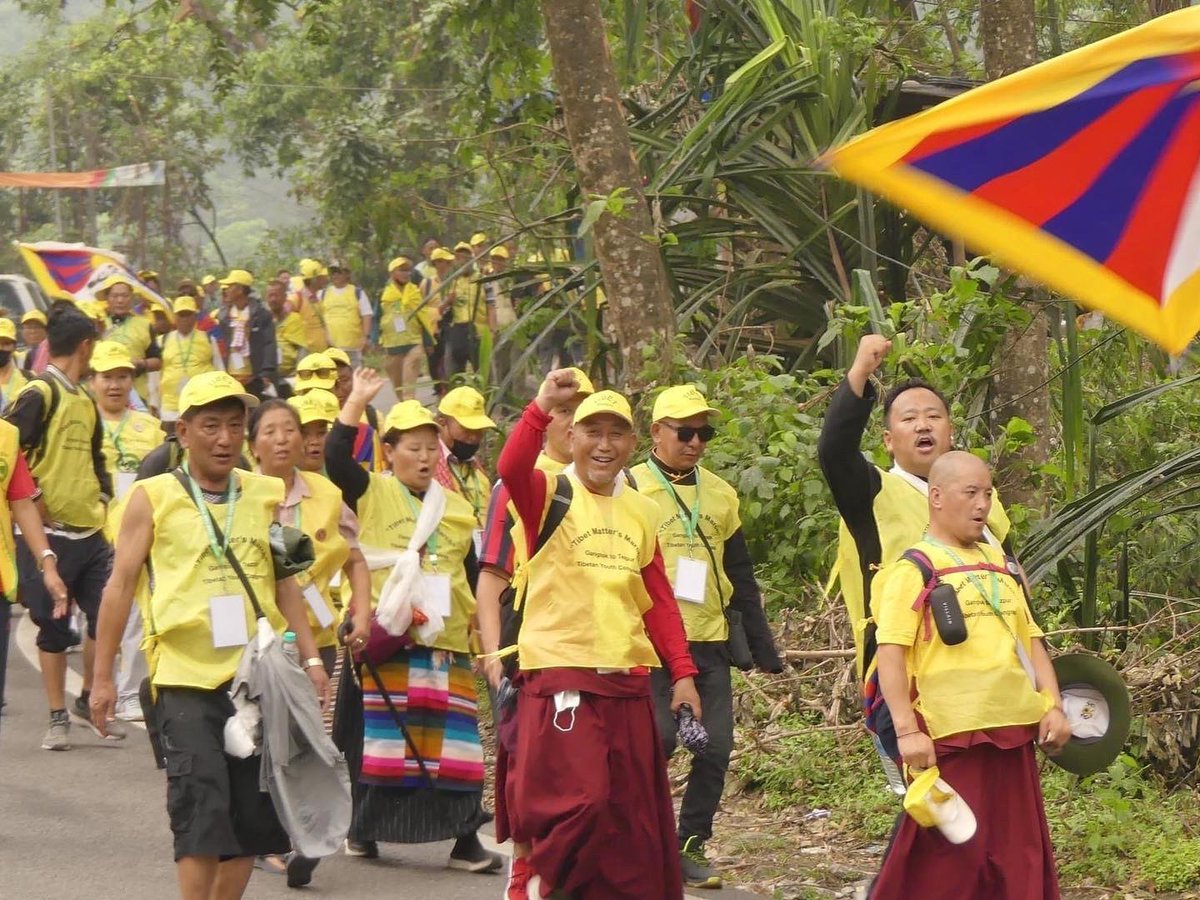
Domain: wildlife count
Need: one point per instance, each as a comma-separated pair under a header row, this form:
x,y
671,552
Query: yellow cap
x,y
462,246
114,279
443,254
604,403
108,356
585,383
316,362
316,405
338,355
310,268
207,280
93,309
407,415
34,315
8,330
211,387
681,402
185,304
479,238
146,274
465,406
499,250
238,276
398,262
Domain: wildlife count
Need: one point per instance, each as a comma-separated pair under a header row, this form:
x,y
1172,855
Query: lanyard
x,y
465,490
993,600
431,544
691,525
185,357
218,549
115,436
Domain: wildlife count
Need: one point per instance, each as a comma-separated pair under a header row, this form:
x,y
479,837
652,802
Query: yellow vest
x,y
137,334
586,598
386,522
400,322
126,443
315,339
62,464
718,520
901,515
183,358
320,513
472,485
12,387
10,447
342,318
289,342
469,302
187,576
979,683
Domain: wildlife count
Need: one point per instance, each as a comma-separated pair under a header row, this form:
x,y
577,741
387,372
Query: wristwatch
x,y
43,556
312,661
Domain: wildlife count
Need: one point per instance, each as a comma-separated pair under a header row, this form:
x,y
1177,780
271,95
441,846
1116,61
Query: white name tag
x,y
125,481
236,360
279,353
228,615
398,324
477,537
182,384
319,607
437,593
691,580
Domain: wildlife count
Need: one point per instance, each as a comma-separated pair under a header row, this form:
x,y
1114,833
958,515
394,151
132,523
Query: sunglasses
x,y
686,432
316,373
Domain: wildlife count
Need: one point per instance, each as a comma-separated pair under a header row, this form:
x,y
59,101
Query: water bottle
x,y
894,777
290,650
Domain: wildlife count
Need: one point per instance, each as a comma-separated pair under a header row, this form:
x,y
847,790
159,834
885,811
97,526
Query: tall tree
x,y
635,278
1008,33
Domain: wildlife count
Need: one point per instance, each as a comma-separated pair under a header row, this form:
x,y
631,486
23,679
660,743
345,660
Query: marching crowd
x,y
603,589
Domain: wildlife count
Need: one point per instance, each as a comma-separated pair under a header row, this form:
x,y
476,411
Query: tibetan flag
x,y
74,271
1082,172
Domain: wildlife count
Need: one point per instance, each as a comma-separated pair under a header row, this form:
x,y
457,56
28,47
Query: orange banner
x,y
137,175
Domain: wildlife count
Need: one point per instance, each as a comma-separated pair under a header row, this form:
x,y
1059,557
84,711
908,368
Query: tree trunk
x,y
635,280
1009,38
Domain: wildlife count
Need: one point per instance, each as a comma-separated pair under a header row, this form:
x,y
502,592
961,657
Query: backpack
x,y
876,715
512,612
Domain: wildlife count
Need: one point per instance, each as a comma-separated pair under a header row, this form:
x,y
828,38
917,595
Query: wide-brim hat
x,y
1096,705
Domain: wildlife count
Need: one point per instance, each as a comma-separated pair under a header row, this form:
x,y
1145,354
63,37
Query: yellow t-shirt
x,y
718,519
980,683
470,305
289,342
127,441
400,324
183,357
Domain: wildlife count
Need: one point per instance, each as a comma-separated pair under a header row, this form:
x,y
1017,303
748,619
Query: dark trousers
x,y
5,630
706,781
460,348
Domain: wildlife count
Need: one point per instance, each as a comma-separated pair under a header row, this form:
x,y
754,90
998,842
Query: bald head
x,y
960,498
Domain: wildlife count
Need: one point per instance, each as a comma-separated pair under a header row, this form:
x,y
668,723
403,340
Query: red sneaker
x,y
519,874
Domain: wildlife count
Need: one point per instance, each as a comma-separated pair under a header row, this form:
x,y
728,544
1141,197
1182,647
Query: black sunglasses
x,y
687,432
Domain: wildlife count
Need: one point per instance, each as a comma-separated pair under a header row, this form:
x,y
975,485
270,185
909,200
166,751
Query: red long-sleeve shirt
x,y
527,486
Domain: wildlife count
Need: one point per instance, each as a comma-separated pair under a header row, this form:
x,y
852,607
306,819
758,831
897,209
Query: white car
x,y
19,295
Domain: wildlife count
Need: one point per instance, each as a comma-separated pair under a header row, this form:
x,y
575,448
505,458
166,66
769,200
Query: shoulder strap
x,y
922,562
230,556
629,479
712,556
559,504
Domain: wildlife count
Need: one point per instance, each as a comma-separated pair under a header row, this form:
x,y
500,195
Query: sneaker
x,y
300,869
697,871
57,735
363,849
519,873
470,856
116,731
130,710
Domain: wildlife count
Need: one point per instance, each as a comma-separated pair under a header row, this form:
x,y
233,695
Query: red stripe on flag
x,y
941,140
1040,191
1140,257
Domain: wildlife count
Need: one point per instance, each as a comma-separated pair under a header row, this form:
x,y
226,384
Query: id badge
x,y
237,360
691,580
477,539
125,481
437,593
228,615
320,609
398,324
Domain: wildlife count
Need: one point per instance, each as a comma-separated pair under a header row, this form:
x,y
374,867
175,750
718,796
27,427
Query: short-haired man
x,y
250,333
973,704
289,329
134,331
347,312
61,434
700,533
462,424
198,621
587,786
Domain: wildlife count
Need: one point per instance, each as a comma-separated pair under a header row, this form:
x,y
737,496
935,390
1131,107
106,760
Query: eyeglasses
x,y
686,432
315,373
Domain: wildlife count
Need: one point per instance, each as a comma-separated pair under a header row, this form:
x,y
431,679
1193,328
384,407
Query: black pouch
x,y
737,642
947,615
150,716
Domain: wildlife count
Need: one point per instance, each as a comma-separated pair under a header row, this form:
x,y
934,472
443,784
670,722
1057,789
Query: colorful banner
x,y
1082,172
136,175
73,271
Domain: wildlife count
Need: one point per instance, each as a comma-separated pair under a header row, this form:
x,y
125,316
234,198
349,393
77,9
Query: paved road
x,y
91,824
